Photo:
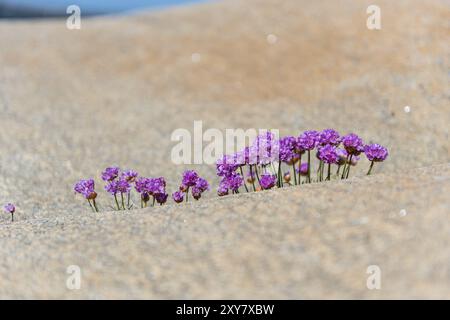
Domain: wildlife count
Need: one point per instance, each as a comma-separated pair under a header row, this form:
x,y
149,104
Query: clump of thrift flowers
x,y
10,209
268,162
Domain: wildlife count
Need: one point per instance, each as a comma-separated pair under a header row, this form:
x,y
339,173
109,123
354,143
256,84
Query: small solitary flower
x,y
375,153
161,198
308,140
110,173
10,208
268,181
178,196
303,169
86,188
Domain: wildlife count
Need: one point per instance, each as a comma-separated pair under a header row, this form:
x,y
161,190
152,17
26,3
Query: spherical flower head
x,y
202,185
328,154
190,178
123,186
178,196
268,181
329,136
303,169
161,198
86,188
9,208
196,193
233,182
112,187
156,185
129,175
141,185
353,144
222,190
266,147
226,165
288,145
110,173
308,140
376,152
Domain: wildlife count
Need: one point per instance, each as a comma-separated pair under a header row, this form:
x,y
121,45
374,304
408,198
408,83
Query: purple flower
x,y
308,140
232,182
190,178
110,173
123,186
222,190
161,198
353,144
86,188
156,185
329,136
202,185
268,181
112,187
288,145
303,169
9,208
328,154
226,165
141,185
129,175
266,148
178,196
375,152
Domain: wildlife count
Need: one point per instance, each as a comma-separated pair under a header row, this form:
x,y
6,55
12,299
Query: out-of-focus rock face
x,y
75,101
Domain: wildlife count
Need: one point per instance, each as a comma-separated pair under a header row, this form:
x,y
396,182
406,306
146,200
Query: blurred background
x,y
22,9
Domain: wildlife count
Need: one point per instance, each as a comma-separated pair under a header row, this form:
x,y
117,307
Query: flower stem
x,y
349,165
257,175
345,167
295,175
95,205
90,204
123,202
299,170
252,177
12,217
280,178
309,166
243,177
117,202
329,172
187,194
370,168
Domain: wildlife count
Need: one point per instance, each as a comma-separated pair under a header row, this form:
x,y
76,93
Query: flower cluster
x,y
192,182
119,184
264,158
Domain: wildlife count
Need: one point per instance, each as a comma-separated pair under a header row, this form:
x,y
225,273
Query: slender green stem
x,y
338,169
123,202
187,194
95,205
295,174
349,165
329,172
252,177
117,202
345,167
128,200
370,168
12,217
309,166
90,204
154,199
243,177
280,177
299,170
257,175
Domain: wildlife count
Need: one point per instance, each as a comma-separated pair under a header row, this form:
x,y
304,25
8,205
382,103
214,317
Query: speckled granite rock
x,y
73,102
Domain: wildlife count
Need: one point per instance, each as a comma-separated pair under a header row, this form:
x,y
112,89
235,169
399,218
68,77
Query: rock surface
x,y
75,101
